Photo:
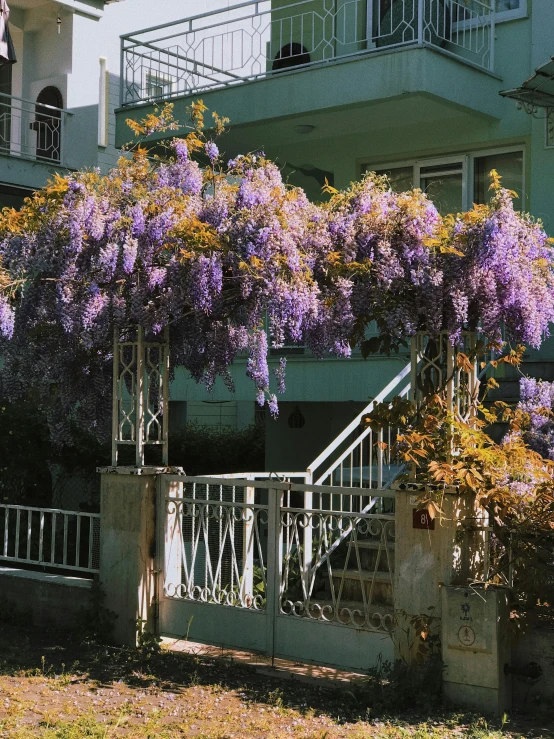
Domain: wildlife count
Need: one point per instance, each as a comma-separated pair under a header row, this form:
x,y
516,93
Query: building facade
x,y
54,100
333,88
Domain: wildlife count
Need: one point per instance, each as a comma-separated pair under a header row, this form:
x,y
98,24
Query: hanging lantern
x,y
296,419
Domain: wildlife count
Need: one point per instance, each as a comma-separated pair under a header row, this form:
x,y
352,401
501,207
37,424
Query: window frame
x,y
420,164
493,152
160,79
468,168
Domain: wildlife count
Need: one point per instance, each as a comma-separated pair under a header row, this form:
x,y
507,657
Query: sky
x,y
133,15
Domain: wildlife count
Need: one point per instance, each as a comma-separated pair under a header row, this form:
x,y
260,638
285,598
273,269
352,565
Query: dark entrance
x,y
48,124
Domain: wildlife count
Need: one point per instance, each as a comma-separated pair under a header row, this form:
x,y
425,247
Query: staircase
x,y
349,578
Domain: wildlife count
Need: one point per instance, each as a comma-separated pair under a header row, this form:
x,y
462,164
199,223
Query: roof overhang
x,y
537,91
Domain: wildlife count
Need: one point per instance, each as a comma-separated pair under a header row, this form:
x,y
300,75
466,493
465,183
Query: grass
x,y
54,689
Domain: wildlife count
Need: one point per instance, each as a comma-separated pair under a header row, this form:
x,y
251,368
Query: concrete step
x,y
353,582
364,575
363,544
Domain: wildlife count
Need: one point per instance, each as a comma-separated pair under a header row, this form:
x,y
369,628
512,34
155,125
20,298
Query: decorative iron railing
x,y
32,130
255,39
140,395
232,544
358,456
50,537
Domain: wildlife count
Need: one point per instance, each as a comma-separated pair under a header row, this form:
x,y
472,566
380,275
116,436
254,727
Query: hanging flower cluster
x,y
489,269
227,258
536,401
503,274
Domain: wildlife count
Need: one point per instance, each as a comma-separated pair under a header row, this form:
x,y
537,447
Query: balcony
x,y
266,39
32,131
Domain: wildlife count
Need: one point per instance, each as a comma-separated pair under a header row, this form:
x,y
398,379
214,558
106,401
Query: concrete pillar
x,y
128,548
429,554
476,648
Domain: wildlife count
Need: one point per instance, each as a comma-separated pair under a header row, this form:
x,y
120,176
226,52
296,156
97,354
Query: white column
x,y
103,103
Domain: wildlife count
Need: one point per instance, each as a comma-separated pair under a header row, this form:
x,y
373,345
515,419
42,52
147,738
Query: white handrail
x,y
353,425
11,98
354,444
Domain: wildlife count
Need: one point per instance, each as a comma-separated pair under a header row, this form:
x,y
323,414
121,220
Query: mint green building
x,y
330,89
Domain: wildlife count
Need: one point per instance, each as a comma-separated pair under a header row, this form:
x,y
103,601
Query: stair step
x,y
362,544
364,575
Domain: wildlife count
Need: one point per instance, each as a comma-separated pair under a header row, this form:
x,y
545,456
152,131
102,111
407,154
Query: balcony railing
x,y
259,39
32,130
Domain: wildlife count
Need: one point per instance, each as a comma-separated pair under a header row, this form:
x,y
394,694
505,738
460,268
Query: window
x,y
443,181
444,184
158,85
502,5
455,182
509,165
508,9
400,178
12,196
212,413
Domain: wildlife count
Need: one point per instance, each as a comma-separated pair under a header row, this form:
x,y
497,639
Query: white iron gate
x,y
303,572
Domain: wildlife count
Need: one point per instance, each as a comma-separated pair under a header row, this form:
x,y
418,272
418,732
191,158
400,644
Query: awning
x,y
538,90
7,52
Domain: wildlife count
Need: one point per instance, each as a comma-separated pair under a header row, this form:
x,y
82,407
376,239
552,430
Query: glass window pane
x,y
445,191
400,178
509,166
507,5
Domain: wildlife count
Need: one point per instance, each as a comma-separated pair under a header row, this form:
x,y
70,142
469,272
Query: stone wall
x,y
44,599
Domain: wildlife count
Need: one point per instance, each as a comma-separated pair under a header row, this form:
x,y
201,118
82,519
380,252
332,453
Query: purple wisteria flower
x,y
243,264
212,151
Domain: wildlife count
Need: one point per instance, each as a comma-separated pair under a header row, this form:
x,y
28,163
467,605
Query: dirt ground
x,y
54,688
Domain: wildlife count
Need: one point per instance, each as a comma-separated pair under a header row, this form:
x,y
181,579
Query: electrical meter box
x,y
476,647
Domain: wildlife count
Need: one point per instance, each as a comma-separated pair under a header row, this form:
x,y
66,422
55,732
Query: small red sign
x,y
422,520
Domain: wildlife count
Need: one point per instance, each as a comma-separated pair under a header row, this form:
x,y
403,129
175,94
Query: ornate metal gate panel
x,y
295,571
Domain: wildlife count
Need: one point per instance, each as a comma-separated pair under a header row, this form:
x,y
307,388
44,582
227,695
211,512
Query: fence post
x,y
274,565
307,543
248,546
171,514
128,548
429,554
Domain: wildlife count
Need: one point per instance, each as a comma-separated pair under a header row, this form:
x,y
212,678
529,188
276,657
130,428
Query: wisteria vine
x,y
229,257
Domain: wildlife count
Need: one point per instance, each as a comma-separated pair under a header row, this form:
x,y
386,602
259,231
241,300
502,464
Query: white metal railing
x,y
31,130
49,537
254,39
228,543
357,457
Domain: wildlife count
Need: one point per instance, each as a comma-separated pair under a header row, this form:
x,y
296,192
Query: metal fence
x,y
301,547
32,130
259,38
50,537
